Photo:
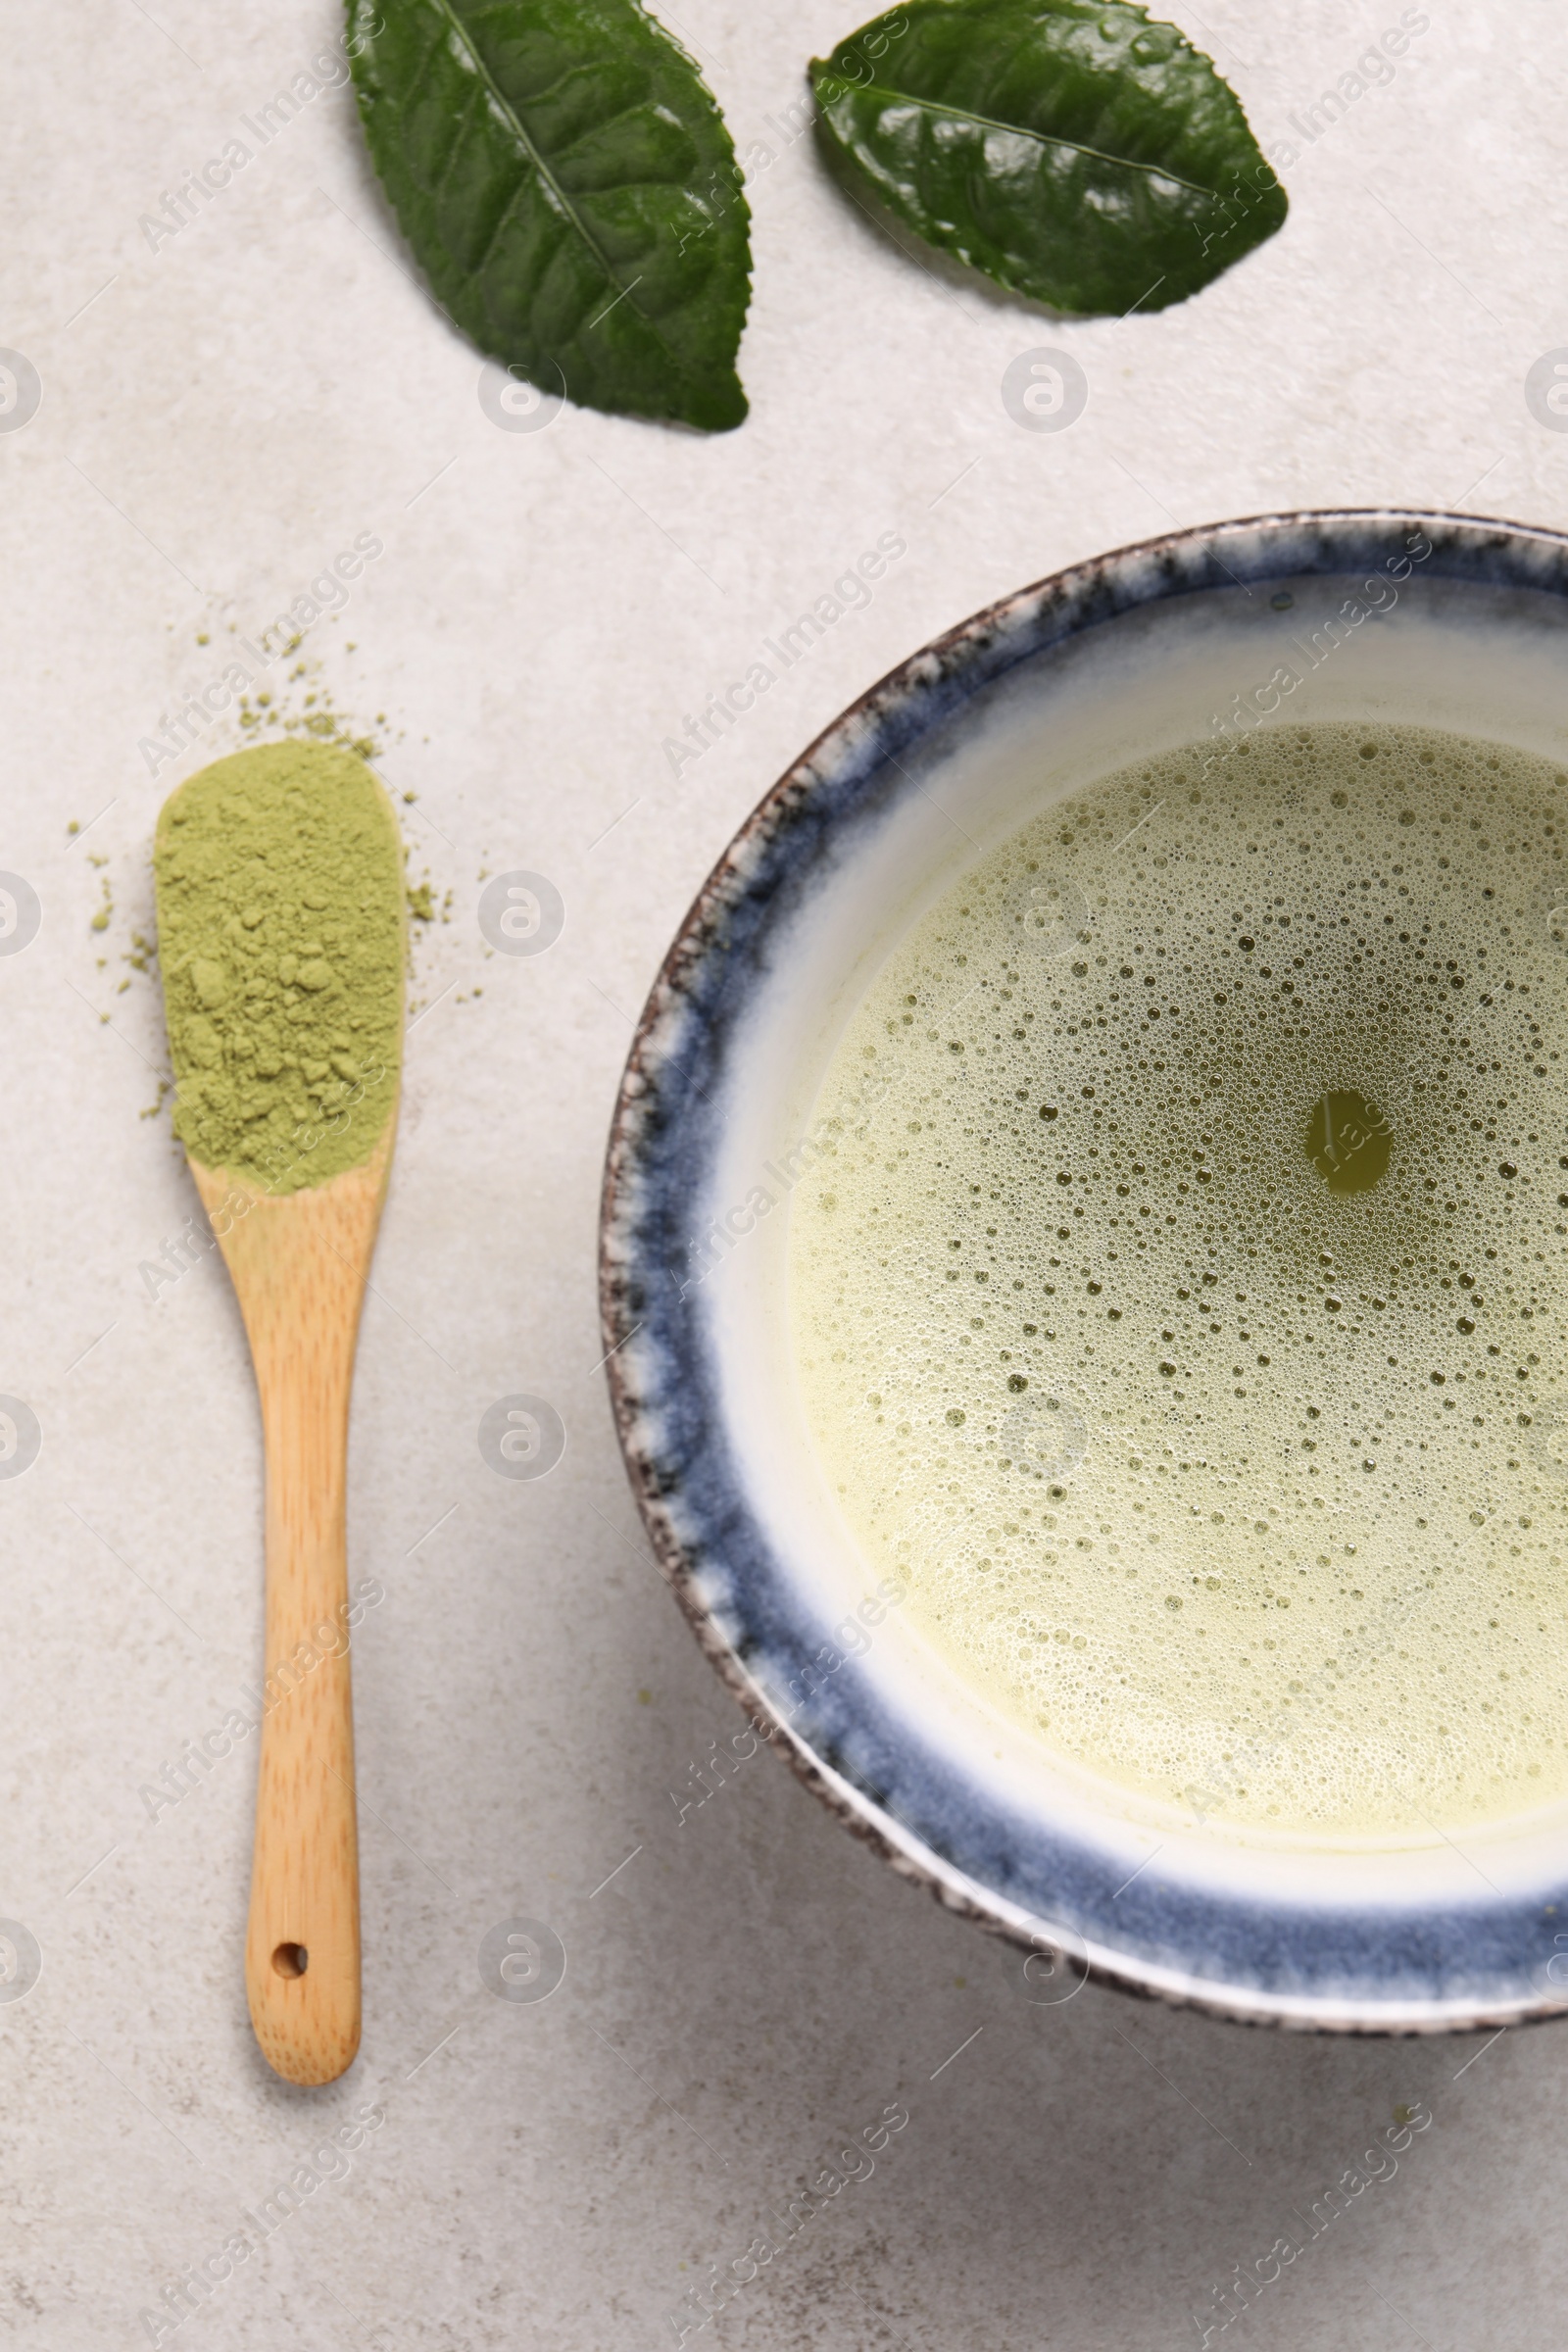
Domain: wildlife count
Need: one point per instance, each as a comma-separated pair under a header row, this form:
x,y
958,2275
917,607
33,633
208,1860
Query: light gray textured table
x,y
219,417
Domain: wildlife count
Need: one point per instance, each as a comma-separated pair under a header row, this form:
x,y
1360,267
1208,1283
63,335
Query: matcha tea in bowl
x,y
1086,1270
282,943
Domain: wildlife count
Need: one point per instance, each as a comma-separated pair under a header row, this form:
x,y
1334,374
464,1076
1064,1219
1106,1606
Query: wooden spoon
x,y
299,1259
299,1264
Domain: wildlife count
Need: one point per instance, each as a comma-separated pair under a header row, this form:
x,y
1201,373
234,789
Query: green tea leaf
x,y
570,189
1071,149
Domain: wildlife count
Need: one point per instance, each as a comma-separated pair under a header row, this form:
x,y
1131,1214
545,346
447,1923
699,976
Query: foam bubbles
x,y
1232,1468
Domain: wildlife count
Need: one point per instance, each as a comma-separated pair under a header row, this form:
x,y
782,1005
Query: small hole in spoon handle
x,y
291,1959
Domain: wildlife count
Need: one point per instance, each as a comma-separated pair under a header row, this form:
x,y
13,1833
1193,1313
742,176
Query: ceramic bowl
x,y
1445,621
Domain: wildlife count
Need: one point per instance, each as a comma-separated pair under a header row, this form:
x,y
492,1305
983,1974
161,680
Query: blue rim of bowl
x,y
1315,1966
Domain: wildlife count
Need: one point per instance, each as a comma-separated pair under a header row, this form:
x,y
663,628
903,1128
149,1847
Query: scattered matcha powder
x,y
282,939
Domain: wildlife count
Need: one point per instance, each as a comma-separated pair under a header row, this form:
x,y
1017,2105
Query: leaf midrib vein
x,y
444,8
1042,138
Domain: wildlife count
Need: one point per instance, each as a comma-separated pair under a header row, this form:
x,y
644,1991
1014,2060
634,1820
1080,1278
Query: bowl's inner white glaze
x,y
1441,654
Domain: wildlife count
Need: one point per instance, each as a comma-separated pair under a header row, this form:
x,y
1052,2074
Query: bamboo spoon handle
x,y
299,1264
